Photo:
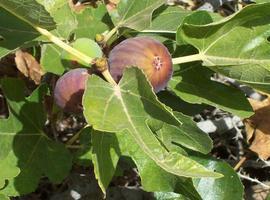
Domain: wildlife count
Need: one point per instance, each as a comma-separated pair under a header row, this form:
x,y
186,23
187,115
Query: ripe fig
x,y
69,90
146,53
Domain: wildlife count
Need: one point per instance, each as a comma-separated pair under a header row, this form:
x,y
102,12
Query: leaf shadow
x,y
14,32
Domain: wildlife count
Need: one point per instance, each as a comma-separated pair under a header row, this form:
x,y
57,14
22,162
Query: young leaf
x,y
193,83
23,138
238,45
153,177
228,187
129,106
134,14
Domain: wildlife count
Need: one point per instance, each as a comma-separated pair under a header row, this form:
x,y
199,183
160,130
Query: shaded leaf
x,y
22,138
83,156
105,156
129,106
177,104
29,11
193,84
14,32
152,176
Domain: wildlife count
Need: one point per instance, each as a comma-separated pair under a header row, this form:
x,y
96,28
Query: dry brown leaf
x,y
258,128
28,66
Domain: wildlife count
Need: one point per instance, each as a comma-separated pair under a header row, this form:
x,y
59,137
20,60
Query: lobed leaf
x,y
187,135
24,142
129,106
112,146
236,46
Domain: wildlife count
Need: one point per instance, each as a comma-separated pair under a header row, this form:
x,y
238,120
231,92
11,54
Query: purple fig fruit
x,y
146,53
69,90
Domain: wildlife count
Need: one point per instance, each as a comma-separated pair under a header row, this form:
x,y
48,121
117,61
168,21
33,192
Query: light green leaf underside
x,y
129,106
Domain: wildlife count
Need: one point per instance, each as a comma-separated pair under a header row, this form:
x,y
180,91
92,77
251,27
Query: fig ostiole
x,y
69,90
146,53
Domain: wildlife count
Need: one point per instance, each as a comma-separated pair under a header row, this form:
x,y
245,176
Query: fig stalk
x,y
73,51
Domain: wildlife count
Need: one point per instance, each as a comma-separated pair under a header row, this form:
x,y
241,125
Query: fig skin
x,y
69,90
146,53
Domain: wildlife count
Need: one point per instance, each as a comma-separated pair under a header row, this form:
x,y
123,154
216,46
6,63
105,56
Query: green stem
x,y
64,46
185,59
110,34
73,51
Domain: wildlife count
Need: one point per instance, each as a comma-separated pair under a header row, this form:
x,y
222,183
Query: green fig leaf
x,y
3,197
220,188
187,135
86,46
134,14
24,143
166,19
110,147
58,64
30,12
51,59
192,82
62,15
105,155
236,46
91,21
129,106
